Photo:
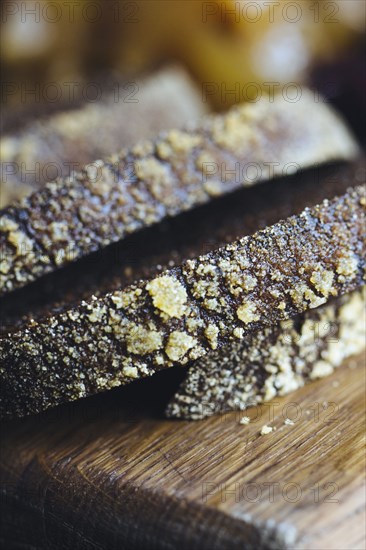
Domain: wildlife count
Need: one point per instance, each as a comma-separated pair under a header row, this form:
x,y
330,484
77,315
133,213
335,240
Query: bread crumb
x,y
347,264
211,333
178,345
289,422
130,372
183,142
246,312
245,420
266,430
323,281
168,295
142,341
321,369
238,332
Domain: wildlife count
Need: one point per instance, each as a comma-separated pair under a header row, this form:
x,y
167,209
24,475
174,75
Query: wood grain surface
x,y
110,472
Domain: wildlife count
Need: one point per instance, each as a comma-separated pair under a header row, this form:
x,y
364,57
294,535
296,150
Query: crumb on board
x,y
289,422
245,420
267,430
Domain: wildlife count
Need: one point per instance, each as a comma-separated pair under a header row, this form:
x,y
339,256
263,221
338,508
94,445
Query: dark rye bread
x,y
127,112
70,218
177,239
188,311
273,361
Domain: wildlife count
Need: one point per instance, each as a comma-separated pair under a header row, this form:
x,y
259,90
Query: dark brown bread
x,y
169,244
70,218
190,310
273,361
65,141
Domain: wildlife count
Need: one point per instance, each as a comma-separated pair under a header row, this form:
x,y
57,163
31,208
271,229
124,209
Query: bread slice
x,y
205,304
206,228
273,361
108,200
58,143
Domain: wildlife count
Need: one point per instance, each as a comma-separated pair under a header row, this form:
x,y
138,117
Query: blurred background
x,y
62,55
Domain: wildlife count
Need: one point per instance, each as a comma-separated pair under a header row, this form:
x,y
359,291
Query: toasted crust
x,y
108,200
188,311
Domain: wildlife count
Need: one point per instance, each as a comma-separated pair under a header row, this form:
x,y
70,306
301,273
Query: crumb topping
x,y
178,345
141,341
247,312
168,295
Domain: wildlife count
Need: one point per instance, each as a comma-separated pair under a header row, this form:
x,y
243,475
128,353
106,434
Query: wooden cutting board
x,y
111,473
